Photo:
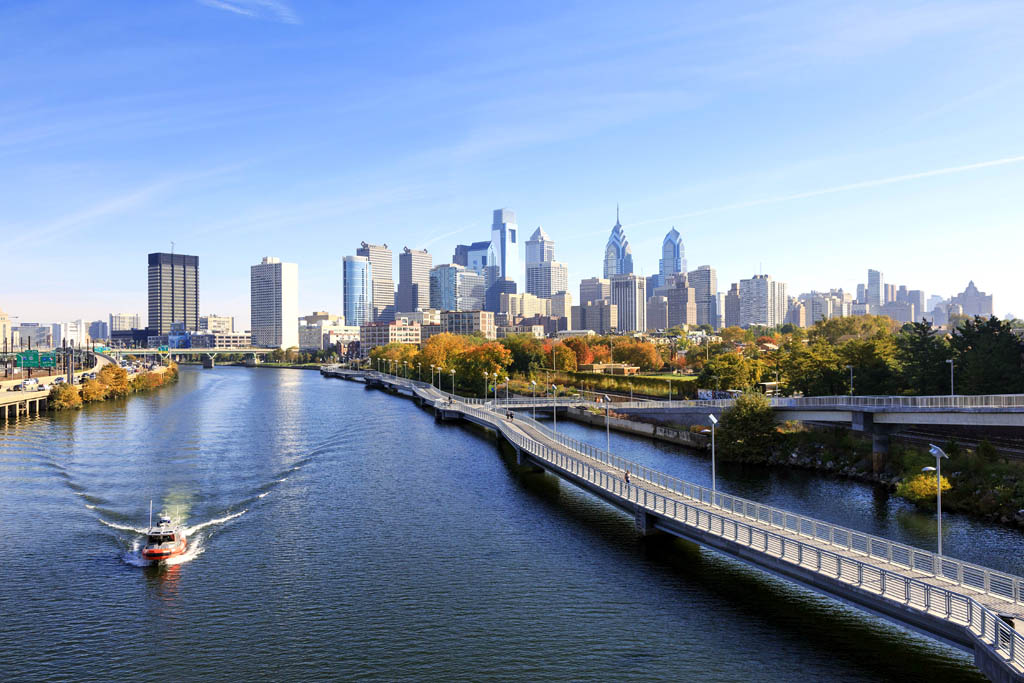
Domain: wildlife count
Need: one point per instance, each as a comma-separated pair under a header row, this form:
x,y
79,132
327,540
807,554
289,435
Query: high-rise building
x,y
6,333
173,292
547,279
413,279
718,311
505,246
916,297
468,322
472,256
732,306
124,321
657,313
220,324
492,297
99,330
561,305
890,292
594,289
618,257
524,305
456,288
383,284
601,316
274,303
763,302
357,281
629,293
539,248
973,301
876,288
682,300
673,256
704,281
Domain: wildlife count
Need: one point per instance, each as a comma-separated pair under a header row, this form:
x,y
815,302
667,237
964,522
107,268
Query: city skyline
x,y
735,126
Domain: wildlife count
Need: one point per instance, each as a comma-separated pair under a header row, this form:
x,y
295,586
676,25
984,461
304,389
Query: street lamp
x,y
419,373
554,407
432,366
850,368
406,364
607,428
534,383
939,455
495,392
714,421
950,361
453,381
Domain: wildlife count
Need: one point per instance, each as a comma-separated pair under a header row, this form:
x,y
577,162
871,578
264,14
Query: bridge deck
x,y
960,602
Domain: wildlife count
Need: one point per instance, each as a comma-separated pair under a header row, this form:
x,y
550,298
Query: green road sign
x,y
28,359
162,348
47,360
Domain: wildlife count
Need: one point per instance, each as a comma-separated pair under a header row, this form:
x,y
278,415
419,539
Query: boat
x,y
163,541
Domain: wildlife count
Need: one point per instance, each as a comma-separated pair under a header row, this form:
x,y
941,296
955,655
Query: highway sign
x,y
162,348
28,359
47,360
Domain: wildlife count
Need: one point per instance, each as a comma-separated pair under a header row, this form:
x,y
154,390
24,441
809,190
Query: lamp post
x,y
670,390
939,455
951,393
495,392
850,368
714,421
453,381
534,383
419,373
607,428
554,407
432,366
406,364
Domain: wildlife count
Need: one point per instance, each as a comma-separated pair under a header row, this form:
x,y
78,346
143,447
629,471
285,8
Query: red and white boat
x,y
163,541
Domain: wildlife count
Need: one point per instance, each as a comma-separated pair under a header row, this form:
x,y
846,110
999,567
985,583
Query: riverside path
x,y
967,605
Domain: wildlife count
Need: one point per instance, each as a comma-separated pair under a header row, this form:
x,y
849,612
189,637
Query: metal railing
x,y
958,402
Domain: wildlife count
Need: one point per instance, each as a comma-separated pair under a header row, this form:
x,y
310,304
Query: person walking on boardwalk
x,y
626,477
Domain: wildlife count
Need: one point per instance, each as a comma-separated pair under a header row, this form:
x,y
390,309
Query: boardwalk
x,y
961,603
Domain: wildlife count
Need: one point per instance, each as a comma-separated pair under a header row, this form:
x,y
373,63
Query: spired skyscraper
x,y
618,257
673,256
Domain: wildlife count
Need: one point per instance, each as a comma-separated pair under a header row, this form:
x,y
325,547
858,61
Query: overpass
x,y
208,355
967,605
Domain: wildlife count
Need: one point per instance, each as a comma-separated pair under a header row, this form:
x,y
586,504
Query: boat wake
x,y
133,556
220,520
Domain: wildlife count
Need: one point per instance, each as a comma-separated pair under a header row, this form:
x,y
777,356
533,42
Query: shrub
x,y
64,397
921,488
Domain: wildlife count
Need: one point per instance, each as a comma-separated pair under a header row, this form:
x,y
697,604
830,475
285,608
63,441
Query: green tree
x,y
876,370
813,369
729,371
987,356
527,351
471,365
747,432
922,356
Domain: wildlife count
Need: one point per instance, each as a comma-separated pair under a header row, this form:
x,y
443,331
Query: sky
x,y
810,141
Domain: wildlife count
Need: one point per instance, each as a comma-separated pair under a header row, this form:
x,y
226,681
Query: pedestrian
x,y
626,475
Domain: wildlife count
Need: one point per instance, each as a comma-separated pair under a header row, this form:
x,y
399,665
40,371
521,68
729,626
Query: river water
x,y
340,533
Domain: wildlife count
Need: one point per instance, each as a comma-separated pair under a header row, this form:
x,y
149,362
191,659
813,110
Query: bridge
x,y
208,355
969,606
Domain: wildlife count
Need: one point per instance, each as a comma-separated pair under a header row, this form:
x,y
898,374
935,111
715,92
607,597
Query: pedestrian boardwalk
x,y
962,603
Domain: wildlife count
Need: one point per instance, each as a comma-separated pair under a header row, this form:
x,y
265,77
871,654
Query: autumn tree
x,y
115,378
642,354
442,349
581,348
476,366
527,351
93,390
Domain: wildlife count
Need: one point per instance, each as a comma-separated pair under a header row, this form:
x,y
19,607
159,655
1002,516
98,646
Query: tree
x,y
560,356
922,356
64,397
874,362
93,390
642,354
747,432
921,487
601,353
397,353
733,335
475,367
441,350
116,380
729,371
527,351
581,348
987,356
814,369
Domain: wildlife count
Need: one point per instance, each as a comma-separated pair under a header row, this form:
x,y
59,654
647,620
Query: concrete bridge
x,y
967,605
208,355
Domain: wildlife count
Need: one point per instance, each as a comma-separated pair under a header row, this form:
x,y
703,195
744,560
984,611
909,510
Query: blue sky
x,y
808,140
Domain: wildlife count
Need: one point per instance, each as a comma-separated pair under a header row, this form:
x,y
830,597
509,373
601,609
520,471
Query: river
x,y
340,533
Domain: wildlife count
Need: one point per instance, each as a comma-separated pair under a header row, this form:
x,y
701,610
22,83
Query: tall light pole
x,y
534,383
951,393
554,407
432,366
406,364
714,421
495,392
850,368
607,428
419,373
939,455
453,381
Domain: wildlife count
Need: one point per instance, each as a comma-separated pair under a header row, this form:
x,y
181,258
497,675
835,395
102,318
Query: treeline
x,y
111,381
885,357
475,360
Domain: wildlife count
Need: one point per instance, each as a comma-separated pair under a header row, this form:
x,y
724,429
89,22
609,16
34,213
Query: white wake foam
x,y
263,495
122,527
220,520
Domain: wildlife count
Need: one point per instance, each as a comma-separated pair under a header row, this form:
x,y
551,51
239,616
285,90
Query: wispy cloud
x,y
865,184
257,9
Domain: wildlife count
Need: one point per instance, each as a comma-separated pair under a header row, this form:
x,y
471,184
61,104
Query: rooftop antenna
x,y
150,513
172,247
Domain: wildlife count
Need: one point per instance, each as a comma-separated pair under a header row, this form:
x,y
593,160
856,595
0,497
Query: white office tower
x,y
274,295
629,294
704,281
762,302
876,288
539,248
505,243
383,285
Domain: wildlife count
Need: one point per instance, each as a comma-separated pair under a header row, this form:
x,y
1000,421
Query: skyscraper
x,y
383,284
455,288
173,292
539,248
472,256
681,300
618,257
732,306
357,281
124,321
274,297
505,243
413,280
704,281
629,294
876,288
594,289
545,277
762,302
673,256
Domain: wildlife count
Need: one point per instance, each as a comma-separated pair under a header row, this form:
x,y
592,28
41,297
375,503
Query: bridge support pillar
x,y
208,360
644,521
865,422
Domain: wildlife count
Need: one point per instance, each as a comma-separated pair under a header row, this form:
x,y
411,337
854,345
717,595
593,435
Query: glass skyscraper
x,y
357,280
